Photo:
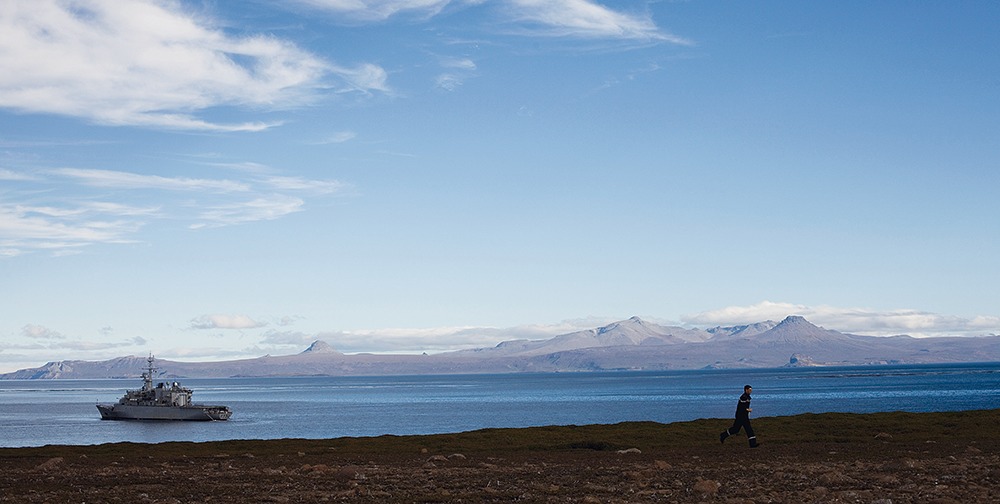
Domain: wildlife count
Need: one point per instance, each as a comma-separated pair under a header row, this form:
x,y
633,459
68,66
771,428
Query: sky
x,y
212,180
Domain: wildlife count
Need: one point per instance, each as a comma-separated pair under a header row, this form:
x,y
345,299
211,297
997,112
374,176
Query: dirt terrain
x,y
877,459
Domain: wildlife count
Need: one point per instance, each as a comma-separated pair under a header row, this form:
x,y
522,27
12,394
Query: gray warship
x,y
161,402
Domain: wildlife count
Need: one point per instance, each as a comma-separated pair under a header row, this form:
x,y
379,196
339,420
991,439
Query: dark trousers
x,y
741,423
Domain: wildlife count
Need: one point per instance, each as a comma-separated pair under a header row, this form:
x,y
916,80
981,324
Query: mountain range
x,y
632,344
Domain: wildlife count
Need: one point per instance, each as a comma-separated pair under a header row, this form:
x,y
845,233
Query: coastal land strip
x,y
878,458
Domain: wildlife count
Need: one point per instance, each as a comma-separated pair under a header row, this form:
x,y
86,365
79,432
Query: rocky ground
x,y
885,459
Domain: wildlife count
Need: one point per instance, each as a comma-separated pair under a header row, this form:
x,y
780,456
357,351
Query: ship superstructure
x,y
162,402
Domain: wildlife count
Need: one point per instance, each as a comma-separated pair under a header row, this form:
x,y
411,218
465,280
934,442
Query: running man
x,y
742,419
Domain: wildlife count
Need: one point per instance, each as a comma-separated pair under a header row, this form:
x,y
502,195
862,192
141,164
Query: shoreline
x,y
831,457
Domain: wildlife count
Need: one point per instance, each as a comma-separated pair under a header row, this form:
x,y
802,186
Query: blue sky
x,y
214,180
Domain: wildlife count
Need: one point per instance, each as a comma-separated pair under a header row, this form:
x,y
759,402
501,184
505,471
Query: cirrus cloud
x,y
127,180
380,10
45,212
561,18
66,228
268,207
586,19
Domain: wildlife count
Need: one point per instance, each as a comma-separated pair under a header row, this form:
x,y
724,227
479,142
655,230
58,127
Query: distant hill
x,y
632,344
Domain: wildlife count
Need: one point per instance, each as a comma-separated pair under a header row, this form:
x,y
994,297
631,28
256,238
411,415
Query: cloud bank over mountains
x,y
627,345
276,336
855,320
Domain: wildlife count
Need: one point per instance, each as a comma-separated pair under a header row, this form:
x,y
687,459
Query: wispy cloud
x,y
225,321
458,70
126,180
562,18
337,138
448,82
633,75
50,228
153,64
163,65
12,176
36,344
854,320
388,340
43,212
268,207
411,340
364,78
380,10
586,19
304,184
459,63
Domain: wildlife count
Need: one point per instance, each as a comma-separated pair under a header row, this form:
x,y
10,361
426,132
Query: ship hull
x,y
190,413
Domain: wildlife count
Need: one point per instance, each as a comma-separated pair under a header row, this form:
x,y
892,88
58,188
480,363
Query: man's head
x,y
747,388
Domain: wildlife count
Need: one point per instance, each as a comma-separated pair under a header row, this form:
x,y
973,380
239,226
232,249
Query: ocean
x,y
42,412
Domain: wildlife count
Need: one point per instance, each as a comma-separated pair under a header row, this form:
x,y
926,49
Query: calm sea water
x,y
40,412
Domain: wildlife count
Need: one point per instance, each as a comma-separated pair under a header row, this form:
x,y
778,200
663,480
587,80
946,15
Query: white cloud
x,y
448,82
852,320
566,18
151,63
460,69
126,180
364,78
297,339
223,321
338,137
736,315
40,332
586,19
380,10
63,218
88,208
12,175
459,63
93,346
259,209
304,184
109,208
414,340
991,323
23,227
35,344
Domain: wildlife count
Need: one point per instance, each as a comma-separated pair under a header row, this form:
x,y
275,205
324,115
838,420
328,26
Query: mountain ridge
x,y
631,344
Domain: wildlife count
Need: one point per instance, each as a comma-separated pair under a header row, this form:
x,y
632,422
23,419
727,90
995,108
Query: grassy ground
x,y
970,426
833,457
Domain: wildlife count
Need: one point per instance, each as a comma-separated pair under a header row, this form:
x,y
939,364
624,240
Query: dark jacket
x,y
743,406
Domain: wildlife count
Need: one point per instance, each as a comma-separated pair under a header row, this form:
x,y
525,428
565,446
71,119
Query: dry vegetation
x,y
878,459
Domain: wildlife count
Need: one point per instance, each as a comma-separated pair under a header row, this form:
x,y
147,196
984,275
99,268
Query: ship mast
x,y
147,377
